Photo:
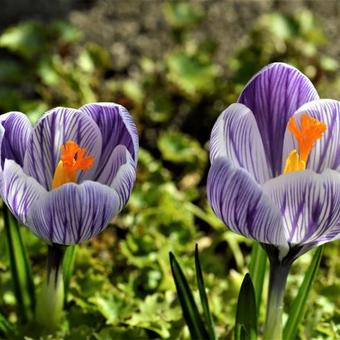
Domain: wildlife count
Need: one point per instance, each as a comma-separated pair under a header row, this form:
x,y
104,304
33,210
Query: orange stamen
x,y
310,131
72,159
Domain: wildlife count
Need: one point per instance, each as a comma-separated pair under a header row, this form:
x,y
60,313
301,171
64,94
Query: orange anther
x,y
73,158
310,131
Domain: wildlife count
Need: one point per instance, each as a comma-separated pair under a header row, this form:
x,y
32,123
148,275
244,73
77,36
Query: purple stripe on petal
x,y
18,130
19,191
74,213
242,205
309,204
235,136
119,173
326,151
116,126
55,128
124,181
273,95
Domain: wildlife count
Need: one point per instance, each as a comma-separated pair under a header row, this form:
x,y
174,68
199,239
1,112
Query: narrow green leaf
x,y
21,271
257,270
246,315
68,266
6,329
296,311
203,296
189,308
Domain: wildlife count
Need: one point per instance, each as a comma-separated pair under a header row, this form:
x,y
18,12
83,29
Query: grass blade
x,y
296,311
203,296
246,315
189,308
20,268
6,329
257,270
68,266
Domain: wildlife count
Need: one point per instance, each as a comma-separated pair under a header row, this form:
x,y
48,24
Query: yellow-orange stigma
x,y
311,130
73,158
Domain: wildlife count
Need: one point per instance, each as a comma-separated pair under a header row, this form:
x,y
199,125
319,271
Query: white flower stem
x,y
277,284
51,300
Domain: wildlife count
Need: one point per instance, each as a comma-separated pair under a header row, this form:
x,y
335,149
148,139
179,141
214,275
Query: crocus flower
x,y
275,156
274,160
70,174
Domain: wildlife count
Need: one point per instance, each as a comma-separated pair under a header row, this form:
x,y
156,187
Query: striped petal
x,y
119,173
55,128
74,213
273,95
326,151
117,128
236,137
242,205
19,191
309,203
18,130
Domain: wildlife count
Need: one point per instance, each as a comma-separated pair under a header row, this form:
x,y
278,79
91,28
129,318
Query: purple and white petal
x,y
236,137
119,173
74,213
19,191
309,203
273,95
243,206
326,151
55,128
18,130
116,126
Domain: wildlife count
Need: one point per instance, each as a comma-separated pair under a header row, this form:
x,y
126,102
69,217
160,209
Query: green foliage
x,y
204,299
257,270
190,310
20,268
246,314
297,309
121,285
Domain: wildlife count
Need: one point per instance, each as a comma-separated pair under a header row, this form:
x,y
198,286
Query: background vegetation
x,y
122,286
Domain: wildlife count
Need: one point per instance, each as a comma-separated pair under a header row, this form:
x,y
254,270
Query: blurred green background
x,y
175,65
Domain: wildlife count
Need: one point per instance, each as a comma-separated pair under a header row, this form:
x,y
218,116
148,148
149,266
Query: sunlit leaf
x,y
182,14
191,74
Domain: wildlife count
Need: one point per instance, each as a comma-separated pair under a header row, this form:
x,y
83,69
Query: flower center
x,y
311,130
73,158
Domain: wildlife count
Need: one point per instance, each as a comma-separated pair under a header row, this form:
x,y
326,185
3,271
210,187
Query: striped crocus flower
x,y
274,177
66,177
275,156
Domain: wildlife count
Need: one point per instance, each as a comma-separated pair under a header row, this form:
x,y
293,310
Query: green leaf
x,y
189,308
191,74
20,267
246,315
182,15
257,270
68,266
28,39
6,328
203,296
296,311
179,148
